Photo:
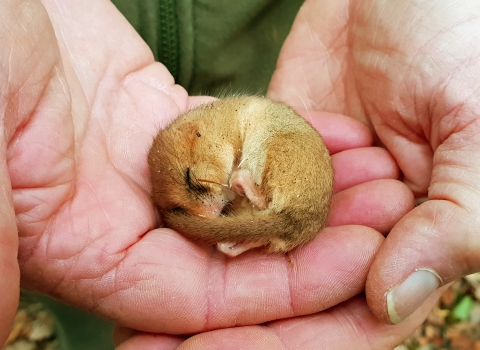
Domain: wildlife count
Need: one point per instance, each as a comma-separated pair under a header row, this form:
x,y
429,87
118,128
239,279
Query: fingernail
x,y
405,298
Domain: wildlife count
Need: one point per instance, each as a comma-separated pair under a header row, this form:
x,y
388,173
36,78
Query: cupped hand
x,y
409,69
82,99
328,271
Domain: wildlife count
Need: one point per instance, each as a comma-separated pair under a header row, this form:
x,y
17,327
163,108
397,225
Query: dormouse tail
x,y
275,231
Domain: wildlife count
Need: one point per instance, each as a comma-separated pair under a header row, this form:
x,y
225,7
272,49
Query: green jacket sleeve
x,y
214,47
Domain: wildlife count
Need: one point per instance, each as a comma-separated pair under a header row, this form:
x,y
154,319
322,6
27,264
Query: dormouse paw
x,y
233,249
241,183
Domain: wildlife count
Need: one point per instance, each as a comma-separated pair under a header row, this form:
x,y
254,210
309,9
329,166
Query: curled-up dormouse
x,y
240,173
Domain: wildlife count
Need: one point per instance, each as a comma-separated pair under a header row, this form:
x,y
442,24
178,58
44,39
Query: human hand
x,y
331,252
83,99
410,70
332,256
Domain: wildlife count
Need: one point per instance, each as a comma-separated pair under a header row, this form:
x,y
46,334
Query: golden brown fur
x,y
204,162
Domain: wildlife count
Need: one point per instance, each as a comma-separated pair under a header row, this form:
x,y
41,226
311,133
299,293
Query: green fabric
x,y
214,47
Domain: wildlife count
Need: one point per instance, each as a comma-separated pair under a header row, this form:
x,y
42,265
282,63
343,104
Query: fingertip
x,y
248,337
196,101
338,131
149,341
378,204
319,276
355,166
405,298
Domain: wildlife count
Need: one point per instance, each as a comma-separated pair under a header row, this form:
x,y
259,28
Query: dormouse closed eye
x,y
193,184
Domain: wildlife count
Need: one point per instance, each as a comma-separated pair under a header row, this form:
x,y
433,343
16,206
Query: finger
x,y
184,288
355,166
121,334
313,62
369,204
339,132
358,327
195,101
358,194
151,342
414,158
110,56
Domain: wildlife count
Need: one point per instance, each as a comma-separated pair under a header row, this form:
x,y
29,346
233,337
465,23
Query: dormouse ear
x,y
192,131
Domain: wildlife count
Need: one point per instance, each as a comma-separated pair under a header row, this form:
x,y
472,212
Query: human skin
x,y
410,70
81,101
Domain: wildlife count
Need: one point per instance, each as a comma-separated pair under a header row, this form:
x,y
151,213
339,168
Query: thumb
x,y
437,242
